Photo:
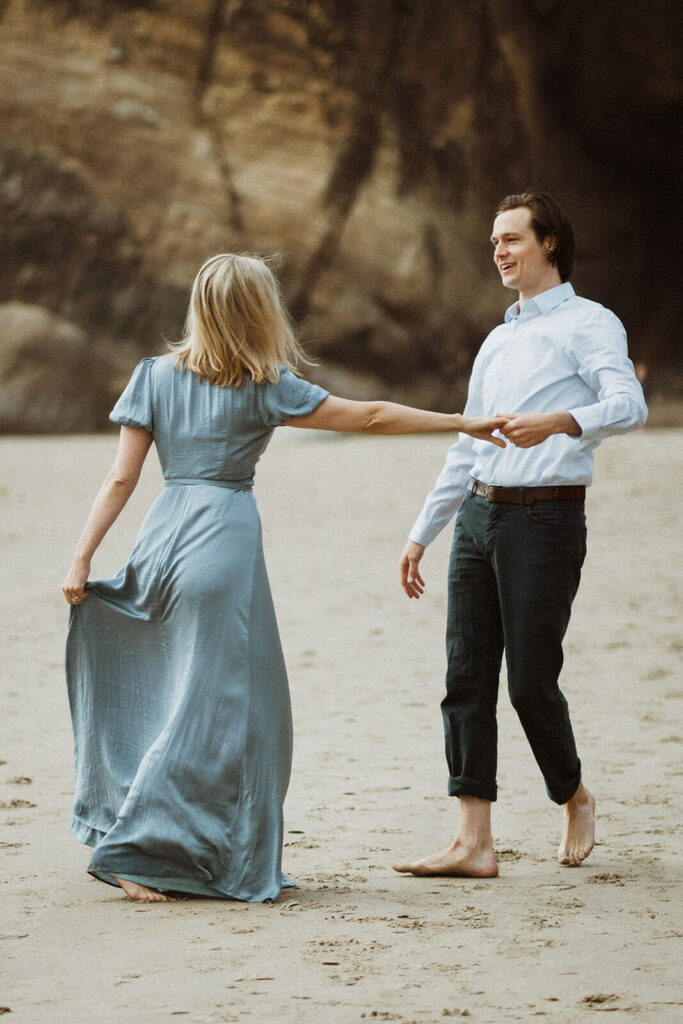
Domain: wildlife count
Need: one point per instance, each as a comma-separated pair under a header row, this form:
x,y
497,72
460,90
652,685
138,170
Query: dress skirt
x,y
180,704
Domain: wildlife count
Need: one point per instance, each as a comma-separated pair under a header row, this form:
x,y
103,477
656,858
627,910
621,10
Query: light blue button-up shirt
x,y
558,353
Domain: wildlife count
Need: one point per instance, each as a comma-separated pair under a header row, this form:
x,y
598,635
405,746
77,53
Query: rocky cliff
x,y
366,142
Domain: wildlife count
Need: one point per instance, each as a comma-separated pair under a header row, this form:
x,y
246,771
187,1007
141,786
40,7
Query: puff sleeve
x,y
290,396
134,407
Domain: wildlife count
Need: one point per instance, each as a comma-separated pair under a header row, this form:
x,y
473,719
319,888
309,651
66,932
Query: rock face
x,y
367,143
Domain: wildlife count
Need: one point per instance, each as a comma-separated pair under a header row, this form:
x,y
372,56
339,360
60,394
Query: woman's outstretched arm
x,y
388,418
134,443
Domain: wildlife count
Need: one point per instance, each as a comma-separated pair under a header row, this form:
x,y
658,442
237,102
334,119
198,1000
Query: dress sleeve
x,y
290,396
134,407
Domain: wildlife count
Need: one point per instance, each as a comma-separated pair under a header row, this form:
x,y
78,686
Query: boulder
x,y
51,380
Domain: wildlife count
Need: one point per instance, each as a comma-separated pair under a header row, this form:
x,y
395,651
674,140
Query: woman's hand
x,y
482,428
134,443
73,586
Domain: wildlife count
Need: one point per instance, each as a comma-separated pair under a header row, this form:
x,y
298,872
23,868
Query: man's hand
x,y
411,581
527,429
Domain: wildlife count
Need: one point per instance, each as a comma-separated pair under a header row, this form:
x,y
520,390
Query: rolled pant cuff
x,y
462,786
560,794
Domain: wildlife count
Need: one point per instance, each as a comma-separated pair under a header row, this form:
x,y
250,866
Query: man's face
x,y
521,259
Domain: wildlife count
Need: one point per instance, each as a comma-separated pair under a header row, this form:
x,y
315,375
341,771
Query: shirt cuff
x,y
425,531
589,420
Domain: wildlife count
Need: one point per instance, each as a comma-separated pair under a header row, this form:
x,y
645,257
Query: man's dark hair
x,y
547,218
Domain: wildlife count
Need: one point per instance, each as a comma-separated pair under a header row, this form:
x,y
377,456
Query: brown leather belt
x,y
528,495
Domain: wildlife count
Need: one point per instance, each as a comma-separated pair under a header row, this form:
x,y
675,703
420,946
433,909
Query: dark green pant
x,y
513,575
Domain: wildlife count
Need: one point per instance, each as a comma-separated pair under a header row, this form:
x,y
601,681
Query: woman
x,y
176,678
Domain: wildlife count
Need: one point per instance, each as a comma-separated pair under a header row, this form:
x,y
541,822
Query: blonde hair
x,y
237,327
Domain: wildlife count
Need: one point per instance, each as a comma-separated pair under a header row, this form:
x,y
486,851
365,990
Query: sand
x,y
356,941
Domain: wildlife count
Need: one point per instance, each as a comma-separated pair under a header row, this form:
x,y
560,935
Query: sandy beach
x,y
356,941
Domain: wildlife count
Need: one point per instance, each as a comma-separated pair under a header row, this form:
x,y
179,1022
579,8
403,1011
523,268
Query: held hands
x,y
73,586
482,428
527,429
411,581
522,429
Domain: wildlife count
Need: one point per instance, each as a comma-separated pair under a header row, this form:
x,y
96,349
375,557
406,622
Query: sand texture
x,y
355,941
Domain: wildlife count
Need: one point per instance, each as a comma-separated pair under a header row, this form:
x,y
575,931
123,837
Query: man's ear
x,y
550,246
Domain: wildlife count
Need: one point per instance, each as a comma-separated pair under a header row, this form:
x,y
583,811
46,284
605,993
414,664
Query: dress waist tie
x,y
232,485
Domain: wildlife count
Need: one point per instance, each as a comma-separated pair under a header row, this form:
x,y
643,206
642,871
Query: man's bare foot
x,y
471,862
141,893
579,828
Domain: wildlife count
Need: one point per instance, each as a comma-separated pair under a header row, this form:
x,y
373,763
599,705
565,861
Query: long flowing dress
x,y
176,679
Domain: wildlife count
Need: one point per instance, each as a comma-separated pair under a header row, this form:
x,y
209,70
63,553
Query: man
x,y
558,368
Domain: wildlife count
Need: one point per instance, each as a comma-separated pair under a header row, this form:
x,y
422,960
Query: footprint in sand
x,y
508,856
606,879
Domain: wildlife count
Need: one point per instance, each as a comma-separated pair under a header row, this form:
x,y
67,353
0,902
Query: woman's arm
x,y
134,443
388,418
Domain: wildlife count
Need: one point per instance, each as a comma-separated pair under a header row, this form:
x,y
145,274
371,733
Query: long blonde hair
x,y
237,328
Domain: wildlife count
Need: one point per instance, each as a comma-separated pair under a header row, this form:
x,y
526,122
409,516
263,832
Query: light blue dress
x,y
177,683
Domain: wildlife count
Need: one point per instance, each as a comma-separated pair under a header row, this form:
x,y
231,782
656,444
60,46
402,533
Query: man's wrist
x,y
566,424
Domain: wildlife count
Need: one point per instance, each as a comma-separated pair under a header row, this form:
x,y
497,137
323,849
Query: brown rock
x,y
50,379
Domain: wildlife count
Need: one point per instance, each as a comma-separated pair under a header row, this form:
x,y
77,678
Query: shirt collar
x,y
545,302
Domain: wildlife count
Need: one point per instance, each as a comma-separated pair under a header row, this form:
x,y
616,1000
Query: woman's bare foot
x,y
472,862
141,893
579,828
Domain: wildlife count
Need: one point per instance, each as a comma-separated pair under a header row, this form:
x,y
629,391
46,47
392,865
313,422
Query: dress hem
x,y
182,885
90,836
